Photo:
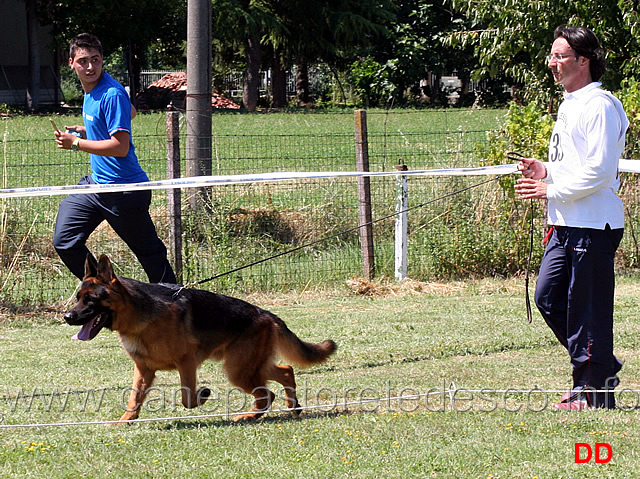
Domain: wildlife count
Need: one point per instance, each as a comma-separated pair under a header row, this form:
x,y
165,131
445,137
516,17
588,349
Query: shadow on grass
x,y
268,419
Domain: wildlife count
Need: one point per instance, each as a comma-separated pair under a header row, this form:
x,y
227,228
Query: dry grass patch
x,y
386,287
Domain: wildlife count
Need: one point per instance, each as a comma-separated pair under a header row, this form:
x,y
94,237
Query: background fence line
x,y
477,233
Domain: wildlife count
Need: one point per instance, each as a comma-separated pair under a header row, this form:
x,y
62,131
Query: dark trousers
x,y
574,294
127,213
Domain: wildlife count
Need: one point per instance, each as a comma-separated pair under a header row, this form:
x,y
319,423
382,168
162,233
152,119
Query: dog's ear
x,y
90,266
105,269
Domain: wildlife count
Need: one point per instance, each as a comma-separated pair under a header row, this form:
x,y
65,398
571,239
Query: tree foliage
x,y
630,19
294,32
513,37
392,69
143,30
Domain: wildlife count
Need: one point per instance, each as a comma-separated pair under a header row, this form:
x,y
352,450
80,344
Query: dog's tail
x,y
299,352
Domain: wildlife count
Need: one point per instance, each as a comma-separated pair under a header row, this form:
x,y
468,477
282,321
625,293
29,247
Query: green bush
x,y
629,95
490,232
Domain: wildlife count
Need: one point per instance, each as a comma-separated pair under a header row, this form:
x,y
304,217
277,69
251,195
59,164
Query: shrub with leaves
x,y
629,95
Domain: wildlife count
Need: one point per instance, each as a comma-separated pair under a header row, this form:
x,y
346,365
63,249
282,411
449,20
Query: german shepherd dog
x,y
162,330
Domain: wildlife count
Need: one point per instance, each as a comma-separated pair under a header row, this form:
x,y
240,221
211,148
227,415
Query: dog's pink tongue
x,y
85,332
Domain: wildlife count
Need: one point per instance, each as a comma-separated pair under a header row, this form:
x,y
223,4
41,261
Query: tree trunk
x,y
251,85
302,84
32,99
278,83
134,67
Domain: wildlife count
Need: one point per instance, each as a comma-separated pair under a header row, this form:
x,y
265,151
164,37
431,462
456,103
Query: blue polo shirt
x,y
105,111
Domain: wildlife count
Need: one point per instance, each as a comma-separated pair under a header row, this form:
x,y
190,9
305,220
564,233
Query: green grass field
x,y
399,341
273,123
382,406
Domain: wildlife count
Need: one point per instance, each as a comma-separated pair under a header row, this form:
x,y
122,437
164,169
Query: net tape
x,y
625,165
203,181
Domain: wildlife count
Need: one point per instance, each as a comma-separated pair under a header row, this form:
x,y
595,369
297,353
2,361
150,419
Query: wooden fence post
x,y
364,195
174,194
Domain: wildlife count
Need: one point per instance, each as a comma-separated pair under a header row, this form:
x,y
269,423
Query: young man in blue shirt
x,y
106,136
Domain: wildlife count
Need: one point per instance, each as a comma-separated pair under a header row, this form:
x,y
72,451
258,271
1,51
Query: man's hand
x,y
77,129
532,168
64,139
528,188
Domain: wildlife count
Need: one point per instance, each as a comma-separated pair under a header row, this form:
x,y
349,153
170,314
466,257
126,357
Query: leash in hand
x,y
516,157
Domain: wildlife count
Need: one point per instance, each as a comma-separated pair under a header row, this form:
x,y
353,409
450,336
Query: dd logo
x,y
599,459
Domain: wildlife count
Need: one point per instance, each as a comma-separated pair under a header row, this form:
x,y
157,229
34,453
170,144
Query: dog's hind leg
x,y
284,375
142,380
188,374
252,381
263,400
247,362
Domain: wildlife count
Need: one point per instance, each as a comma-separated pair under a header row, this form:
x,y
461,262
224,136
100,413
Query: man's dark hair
x,y
584,42
84,40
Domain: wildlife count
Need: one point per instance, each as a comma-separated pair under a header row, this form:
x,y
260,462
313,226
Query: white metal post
x,y
402,202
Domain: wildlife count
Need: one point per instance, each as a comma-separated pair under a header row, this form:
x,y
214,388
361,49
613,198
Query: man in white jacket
x,y
575,287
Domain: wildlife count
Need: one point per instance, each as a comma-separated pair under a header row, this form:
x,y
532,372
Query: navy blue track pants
x,y
127,213
574,293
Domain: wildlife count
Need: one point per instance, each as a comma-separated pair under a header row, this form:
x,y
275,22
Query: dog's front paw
x,y
295,407
127,416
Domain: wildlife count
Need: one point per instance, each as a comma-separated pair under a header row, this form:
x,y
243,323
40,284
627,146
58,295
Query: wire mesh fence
x,y
480,231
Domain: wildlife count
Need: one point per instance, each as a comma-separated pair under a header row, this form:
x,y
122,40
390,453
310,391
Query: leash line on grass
x,y
451,393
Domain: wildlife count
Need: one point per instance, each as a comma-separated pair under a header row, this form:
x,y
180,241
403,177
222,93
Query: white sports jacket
x,y
582,170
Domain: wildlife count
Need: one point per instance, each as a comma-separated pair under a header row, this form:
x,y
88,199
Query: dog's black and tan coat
x,y
161,332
